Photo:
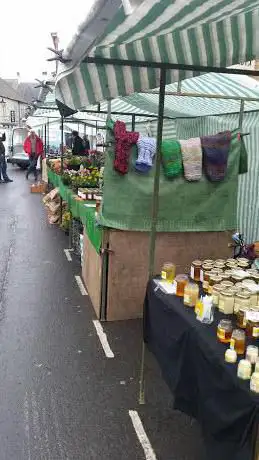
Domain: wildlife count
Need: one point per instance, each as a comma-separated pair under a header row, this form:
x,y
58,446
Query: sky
x,y
25,33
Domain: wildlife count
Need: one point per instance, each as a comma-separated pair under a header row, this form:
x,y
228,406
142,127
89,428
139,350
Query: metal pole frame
x,y
62,163
154,214
133,122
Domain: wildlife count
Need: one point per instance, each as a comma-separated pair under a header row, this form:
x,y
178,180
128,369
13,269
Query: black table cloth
x,y
204,385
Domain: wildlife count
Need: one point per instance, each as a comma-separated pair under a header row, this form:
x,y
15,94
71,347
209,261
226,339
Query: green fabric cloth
x,y
79,210
243,164
171,158
183,206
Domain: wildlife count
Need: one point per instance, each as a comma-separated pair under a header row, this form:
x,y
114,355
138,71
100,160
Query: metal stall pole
x,y
45,140
62,162
133,122
241,114
155,207
48,135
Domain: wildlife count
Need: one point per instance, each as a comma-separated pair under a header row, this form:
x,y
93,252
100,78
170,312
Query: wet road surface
x,y
61,398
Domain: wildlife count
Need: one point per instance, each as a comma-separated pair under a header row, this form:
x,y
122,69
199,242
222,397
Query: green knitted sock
x,y
172,158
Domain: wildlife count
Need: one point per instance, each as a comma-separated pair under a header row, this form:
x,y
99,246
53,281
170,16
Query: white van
x,y
17,154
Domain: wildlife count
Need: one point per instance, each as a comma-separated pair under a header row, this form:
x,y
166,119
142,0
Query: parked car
x,y
17,154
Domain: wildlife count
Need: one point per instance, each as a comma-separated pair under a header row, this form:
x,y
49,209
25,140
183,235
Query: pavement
x,y
61,397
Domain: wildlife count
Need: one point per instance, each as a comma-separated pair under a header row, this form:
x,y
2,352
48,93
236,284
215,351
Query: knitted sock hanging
x,y
146,152
192,158
171,158
215,155
123,143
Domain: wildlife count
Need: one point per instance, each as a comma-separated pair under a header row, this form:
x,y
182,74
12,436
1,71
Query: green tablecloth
x,y
79,210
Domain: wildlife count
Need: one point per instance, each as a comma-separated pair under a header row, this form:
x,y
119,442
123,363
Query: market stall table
x,y
203,384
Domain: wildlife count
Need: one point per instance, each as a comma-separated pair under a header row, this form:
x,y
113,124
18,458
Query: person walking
x,y
86,142
3,167
78,145
33,146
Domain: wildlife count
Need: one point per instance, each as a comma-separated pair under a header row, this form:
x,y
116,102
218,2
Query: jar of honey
x,y
205,268
226,302
181,281
224,331
241,317
252,325
254,382
168,272
253,295
206,279
252,354
213,279
196,270
216,290
191,294
238,340
244,369
241,301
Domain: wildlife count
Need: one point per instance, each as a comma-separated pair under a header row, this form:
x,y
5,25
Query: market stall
x,y
132,57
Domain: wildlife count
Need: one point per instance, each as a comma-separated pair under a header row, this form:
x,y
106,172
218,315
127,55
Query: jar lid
x,y
207,267
208,261
247,292
217,287
197,262
227,283
252,349
227,293
225,323
242,295
221,261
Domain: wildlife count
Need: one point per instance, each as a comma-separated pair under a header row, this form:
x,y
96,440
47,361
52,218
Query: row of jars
x,y
200,271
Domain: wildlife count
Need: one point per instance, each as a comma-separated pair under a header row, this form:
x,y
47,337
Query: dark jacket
x,y
2,148
78,146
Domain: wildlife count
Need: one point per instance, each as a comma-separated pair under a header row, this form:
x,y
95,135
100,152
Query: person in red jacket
x,y
33,146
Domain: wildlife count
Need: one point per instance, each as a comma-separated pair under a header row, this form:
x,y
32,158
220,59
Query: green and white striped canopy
x,y
196,32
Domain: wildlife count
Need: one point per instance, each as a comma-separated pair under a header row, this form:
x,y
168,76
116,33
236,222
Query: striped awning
x,y
194,32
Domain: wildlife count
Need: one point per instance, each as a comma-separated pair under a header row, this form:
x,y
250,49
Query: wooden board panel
x,y
128,264
91,273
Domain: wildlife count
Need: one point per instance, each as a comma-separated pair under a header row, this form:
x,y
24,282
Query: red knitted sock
x,y
124,141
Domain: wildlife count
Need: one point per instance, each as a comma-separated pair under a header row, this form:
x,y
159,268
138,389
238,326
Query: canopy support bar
x,y
166,66
241,114
155,207
204,95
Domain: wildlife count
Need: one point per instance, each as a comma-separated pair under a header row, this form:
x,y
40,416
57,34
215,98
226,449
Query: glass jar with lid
x,y
231,265
206,279
226,302
231,261
213,279
196,270
241,317
191,294
253,295
181,281
255,277
254,382
238,340
168,272
244,369
252,354
241,301
216,290
224,331
228,272
207,268
252,324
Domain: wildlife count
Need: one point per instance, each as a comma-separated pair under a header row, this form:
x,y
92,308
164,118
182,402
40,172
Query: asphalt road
x,y
60,397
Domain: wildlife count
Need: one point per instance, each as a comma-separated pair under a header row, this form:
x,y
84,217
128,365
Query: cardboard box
x,y
39,188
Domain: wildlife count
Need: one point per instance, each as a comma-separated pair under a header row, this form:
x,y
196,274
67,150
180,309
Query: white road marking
x,y
81,285
68,255
27,426
103,339
142,436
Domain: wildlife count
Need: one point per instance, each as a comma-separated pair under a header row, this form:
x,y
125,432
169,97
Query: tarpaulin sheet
x,y
183,206
79,210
